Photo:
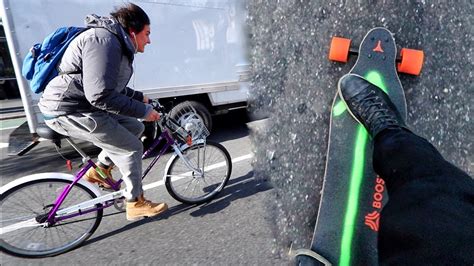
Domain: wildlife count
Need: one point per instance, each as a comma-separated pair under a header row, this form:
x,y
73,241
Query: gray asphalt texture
x,y
294,82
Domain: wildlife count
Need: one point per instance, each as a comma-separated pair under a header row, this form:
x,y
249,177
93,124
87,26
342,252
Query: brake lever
x,y
157,106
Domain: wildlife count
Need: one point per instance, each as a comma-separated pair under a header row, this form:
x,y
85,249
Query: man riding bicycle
x,y
90,100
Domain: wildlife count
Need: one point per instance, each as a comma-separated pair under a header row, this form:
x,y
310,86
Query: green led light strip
x,y
375,78
357,174
338,108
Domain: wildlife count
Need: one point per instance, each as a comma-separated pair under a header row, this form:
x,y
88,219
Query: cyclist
x,y
91,100
429,216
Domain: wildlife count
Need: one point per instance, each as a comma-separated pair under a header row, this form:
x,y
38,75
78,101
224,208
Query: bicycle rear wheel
x,y
213,165
24,205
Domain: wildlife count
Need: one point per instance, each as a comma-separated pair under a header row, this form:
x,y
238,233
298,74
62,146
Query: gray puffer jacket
x,y
99,61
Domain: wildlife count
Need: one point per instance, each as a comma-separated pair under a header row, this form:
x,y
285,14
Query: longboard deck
x,y
353,196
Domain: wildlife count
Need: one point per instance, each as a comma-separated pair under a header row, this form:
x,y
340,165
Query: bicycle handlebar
x,y
168,122
157,106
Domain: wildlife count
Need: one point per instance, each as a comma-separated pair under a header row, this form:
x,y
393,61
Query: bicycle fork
x,y
188,163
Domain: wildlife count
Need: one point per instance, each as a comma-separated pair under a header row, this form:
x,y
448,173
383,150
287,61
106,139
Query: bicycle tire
x,y
183,177
37,202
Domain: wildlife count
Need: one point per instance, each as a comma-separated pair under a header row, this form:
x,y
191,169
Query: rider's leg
x,y
138,206
429,213
122,147
430,207
132,125
104,162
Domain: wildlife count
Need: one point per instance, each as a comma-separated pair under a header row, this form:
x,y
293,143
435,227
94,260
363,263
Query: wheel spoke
x,y
205,184
30,239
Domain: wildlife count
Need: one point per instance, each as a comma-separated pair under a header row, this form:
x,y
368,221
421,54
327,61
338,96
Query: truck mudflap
x,y
22,141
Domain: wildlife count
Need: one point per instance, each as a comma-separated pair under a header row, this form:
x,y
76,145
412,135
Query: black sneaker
x,y
369,105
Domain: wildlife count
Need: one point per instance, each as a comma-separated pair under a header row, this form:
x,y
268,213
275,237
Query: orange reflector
x,y
189,140
69,165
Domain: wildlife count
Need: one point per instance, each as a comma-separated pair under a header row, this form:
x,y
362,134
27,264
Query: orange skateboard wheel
x,y
339,49
411,61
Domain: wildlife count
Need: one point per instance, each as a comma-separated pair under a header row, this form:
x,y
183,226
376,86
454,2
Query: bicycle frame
x,y
105,201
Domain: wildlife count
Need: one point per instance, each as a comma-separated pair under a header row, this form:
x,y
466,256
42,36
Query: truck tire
x,y
201,110
152,131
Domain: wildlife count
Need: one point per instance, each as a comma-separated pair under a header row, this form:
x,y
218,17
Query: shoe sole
x,y
142,217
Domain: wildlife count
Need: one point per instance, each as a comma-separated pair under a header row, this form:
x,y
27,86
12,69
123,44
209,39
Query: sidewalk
x,y
11,108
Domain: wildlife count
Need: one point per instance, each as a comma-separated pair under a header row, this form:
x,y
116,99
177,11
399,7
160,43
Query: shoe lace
x,y
146,202
372,110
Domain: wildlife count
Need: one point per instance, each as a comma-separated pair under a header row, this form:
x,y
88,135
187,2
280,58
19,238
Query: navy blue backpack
x,y
39,65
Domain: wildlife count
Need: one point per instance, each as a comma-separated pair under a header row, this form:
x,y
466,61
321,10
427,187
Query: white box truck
x,y
197,53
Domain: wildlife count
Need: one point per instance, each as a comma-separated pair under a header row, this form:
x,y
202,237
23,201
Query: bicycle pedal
x,y
106,189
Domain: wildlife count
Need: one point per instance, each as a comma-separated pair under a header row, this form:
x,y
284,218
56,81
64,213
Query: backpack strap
x,y
78,71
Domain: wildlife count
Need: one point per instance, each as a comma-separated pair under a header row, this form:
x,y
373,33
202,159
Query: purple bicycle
x,y
50,213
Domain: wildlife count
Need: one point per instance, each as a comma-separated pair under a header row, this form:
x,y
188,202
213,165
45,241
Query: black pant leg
x,y
429,217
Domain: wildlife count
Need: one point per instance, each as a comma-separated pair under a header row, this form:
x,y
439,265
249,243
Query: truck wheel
x,y
3,93
152,131
201,110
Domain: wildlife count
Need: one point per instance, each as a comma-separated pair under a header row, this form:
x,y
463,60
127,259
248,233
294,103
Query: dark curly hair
x,y
131,16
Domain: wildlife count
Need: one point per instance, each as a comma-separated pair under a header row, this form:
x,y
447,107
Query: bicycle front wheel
x,y
24,209
200,174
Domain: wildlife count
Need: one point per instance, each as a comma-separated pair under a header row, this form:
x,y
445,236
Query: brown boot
x,y
93,177
144,208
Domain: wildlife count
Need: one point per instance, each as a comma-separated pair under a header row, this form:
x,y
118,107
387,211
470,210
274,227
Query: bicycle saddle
x,y
45,132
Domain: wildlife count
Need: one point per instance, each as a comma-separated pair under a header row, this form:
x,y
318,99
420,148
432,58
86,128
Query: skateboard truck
x,y
409,61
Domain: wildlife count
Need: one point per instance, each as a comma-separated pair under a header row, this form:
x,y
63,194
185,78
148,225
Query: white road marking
x,y
210,167
5,128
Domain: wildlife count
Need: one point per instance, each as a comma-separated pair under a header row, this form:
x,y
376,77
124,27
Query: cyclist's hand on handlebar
x,y
153,116
156,105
